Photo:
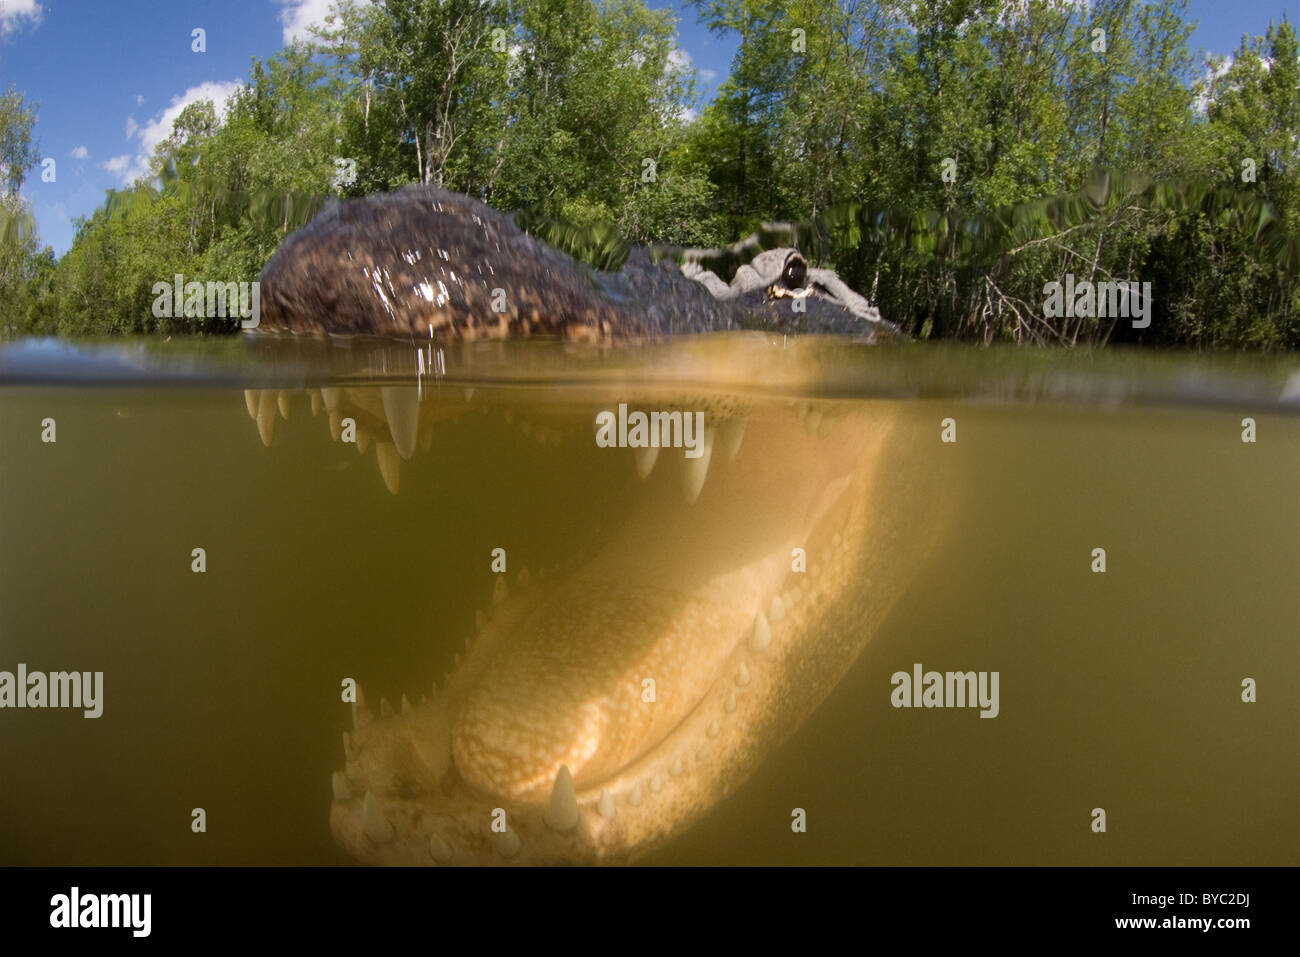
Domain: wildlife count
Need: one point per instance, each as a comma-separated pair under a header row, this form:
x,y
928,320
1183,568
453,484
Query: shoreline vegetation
x,y
950,162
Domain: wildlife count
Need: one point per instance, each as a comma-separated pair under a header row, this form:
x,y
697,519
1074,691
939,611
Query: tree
x,y
21,260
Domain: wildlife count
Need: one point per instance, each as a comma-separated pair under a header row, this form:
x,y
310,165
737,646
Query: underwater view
x,y
325,606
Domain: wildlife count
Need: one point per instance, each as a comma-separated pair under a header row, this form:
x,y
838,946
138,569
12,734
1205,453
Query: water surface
x,y
1119,690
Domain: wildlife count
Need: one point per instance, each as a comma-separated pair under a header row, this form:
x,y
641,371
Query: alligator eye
x,y
794,272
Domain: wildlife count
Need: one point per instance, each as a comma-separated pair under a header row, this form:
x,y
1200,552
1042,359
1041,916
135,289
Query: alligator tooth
x,y
336,426
500,591
282,400
524,579
373,821
316,403
506,842
713,729
697,470
824,430
656,783
250,400
729,435
469,394
634,798
406,704
730,704
385,709
361,715
703,753
439,849
762,636
677,768
331,398
606,805
813,422
266,416
402,409
562,811
390,466
432,745
363,438
645,460
776,611
347,745
480,619
342,789
742,676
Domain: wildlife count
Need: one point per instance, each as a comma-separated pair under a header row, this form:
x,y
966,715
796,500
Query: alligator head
x,y
742,583
425,262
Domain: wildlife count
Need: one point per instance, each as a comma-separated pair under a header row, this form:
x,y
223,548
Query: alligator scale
x,y
741,586
425,262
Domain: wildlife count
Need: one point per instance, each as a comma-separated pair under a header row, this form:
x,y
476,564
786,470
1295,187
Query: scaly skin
x,y
701,599
542,747
425,262
682,593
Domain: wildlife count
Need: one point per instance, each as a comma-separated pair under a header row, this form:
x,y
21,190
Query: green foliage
x,y
24,266
944,157
224,194
1017,103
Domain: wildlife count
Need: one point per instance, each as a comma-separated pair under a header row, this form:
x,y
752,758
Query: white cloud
x,y
139,99
117,164
1216,68
298,15
154,131
678,59
12,12
80,153
708,76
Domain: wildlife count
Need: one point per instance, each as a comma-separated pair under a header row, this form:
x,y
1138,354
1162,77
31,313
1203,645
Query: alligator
x,y
427,262
739,588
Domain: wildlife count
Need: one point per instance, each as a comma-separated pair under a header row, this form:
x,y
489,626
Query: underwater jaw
x,y
599,713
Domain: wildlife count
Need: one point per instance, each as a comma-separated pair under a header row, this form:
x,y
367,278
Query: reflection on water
x,y
565,652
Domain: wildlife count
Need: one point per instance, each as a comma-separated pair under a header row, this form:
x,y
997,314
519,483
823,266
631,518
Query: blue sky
x,y
109,75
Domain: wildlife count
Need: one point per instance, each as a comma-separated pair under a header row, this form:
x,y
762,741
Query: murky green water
x,y
223,688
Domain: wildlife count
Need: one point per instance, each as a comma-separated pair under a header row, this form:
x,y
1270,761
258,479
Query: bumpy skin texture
x,y
424,262
540,747
543,727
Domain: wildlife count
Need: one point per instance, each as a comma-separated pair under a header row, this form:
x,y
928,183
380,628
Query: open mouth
x,y
599,712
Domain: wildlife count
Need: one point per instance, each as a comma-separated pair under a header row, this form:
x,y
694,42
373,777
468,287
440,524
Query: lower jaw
x,y
766,644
